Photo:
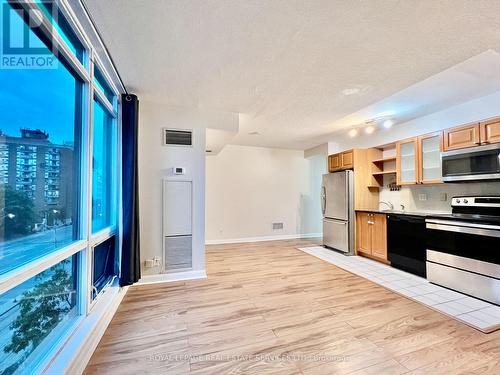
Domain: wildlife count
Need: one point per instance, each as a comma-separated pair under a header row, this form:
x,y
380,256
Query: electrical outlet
x,y
156,261
422,197
444,197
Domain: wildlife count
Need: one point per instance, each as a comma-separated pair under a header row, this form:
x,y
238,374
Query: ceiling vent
x,y
174,137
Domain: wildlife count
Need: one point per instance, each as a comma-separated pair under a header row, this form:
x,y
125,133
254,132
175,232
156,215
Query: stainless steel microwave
x,y
472,164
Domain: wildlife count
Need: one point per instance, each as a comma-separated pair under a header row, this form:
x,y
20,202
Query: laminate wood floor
x,y
268,308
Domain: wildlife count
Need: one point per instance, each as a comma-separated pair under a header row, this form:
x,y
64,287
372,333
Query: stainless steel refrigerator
x,y
337,204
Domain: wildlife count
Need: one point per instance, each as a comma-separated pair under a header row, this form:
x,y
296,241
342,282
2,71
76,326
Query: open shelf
x,y
383,160
383,173
384,164
378,178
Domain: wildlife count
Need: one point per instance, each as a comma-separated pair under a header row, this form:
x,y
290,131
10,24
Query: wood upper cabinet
x,y
407,162
430,147
371,235
343,160
334,162
490,131
348,159
462,137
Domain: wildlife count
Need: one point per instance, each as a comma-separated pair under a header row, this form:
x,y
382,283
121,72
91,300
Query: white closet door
x,y
177,208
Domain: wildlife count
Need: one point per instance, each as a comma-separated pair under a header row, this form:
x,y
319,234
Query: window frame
x,y
113,230
84,71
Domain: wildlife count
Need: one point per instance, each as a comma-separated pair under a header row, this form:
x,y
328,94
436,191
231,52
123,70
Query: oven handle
x,y
462,224
465,229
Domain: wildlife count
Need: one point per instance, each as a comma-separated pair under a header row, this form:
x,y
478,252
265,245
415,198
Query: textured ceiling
x,y
286,65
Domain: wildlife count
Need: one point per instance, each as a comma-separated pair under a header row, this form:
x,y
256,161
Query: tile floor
x,y
476,313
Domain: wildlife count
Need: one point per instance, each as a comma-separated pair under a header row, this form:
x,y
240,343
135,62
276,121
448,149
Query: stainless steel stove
x,y
463,248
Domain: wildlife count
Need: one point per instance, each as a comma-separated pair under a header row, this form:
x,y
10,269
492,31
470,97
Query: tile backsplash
x,y
412,197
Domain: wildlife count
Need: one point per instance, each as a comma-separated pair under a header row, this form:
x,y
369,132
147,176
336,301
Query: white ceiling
x,y
286,65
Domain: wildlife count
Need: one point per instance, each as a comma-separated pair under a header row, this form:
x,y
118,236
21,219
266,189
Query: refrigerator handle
x,y
323,200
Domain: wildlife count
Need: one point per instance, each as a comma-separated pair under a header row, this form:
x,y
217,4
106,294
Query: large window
x,y
40,139
58,182
34,314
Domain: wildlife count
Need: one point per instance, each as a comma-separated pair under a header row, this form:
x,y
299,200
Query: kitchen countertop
x,y
412,213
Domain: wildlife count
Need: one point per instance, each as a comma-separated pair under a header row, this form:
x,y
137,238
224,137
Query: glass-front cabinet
x,y
407,162
419,160
430,147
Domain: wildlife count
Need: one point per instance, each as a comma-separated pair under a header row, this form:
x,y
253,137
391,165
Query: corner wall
x,y
250,188
155,164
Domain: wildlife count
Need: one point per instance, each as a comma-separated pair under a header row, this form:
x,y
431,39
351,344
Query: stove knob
x,y
466,201
458,200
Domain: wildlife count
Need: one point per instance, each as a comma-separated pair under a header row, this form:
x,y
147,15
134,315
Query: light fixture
x,y
351,91
369,129
388,123
353,132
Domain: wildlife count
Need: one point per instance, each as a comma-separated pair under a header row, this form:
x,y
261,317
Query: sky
x,y
38,99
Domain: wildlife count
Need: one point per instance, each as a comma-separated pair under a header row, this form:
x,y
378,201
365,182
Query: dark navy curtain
x,y
131,260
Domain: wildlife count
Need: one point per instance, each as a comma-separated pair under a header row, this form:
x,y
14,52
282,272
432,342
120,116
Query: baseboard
x,y
171,277
263,238
76,353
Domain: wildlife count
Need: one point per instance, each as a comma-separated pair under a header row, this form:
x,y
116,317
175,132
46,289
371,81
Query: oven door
x,y
468,240
464,257
470,164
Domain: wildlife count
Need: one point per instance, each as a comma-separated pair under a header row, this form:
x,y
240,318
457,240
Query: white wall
x,y
471,111
249,188
155,163
474,110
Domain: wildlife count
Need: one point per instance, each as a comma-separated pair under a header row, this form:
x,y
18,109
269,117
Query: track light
x,y
388,124
369,129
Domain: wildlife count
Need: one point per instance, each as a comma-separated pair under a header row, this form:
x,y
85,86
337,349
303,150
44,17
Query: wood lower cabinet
x,y
462,137
364,233
379,236
490,131
371,235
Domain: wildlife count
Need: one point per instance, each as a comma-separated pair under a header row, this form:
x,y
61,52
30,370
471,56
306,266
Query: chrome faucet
x,y
388,204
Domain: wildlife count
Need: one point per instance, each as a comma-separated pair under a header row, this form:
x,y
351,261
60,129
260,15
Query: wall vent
x,y
173,137
278,226
178,253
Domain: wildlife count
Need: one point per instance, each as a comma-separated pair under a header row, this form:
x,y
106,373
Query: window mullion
x,y
90,151
104,101
21,274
